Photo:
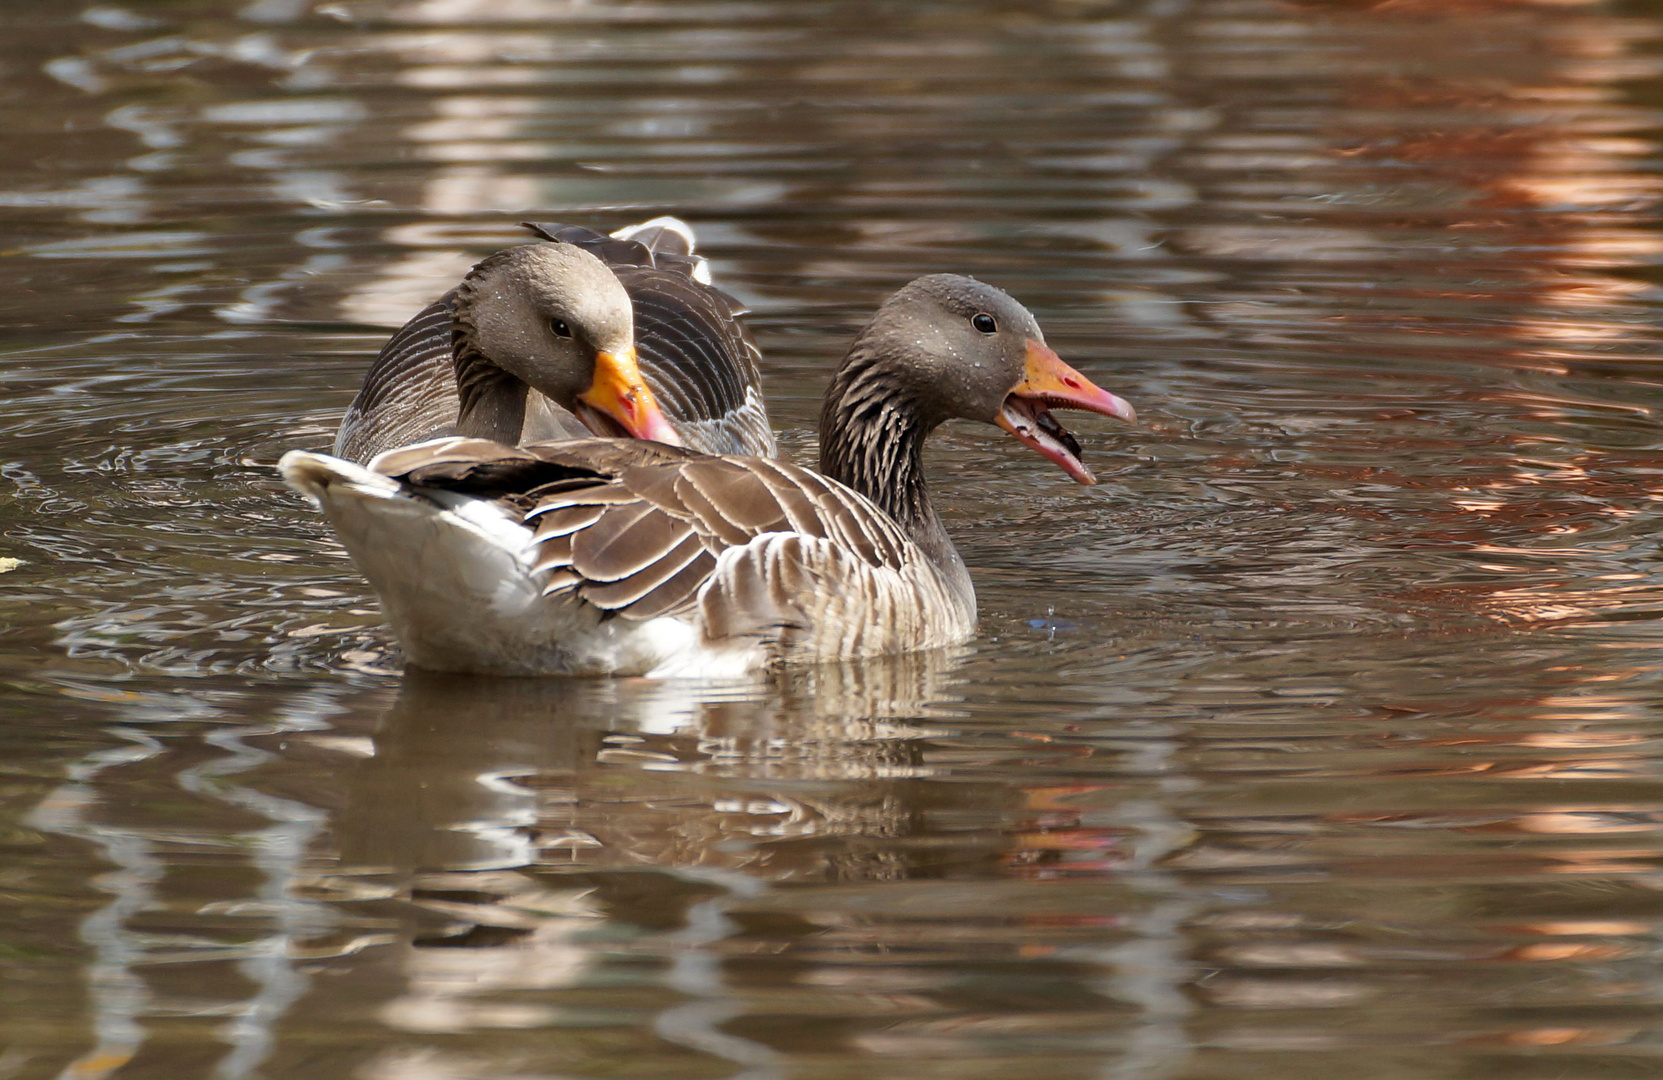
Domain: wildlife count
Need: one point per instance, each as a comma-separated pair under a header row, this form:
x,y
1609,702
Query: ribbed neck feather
x,y
492,401
872,435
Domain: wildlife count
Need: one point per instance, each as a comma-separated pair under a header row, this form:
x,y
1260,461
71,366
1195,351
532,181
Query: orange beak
x,y
1047,381
620,393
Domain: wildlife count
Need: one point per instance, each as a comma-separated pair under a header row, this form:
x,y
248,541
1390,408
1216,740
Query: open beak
x,y
1048,382
618,394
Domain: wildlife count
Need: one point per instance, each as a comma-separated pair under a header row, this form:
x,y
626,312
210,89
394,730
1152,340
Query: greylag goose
x,y
623,557
465,364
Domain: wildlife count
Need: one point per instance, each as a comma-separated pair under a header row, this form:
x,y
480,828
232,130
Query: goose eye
x,y
984,322
560,328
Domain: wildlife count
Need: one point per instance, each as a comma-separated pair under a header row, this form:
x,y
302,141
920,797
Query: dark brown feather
x,y
553,553
419,350
842,525
626,540
405,460
591,494
557,521
661,487
608,457
560,579
868,533
476,466
794,500
676,594
737,493
626,591
711,521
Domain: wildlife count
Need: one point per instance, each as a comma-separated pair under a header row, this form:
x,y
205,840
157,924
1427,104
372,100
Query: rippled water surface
x,y
1322,738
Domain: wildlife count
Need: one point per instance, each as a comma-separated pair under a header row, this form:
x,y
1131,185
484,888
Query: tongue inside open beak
x,y
1049,383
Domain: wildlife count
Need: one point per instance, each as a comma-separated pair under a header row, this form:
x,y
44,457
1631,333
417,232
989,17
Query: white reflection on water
x,y
279,853
122,1001
120,997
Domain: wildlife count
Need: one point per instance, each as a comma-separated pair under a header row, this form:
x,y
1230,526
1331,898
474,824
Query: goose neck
x,y
491,401
872,434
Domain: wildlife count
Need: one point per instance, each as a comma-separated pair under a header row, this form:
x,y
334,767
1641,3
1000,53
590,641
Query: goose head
x,y
964,349
556,318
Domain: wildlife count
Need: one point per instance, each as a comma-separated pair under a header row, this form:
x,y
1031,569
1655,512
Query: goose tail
x,y
325,479
456,576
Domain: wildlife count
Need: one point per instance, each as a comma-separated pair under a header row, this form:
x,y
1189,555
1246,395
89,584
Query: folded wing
x,y
745,548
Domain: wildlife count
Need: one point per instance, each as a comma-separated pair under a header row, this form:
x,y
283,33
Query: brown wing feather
x,y
558,580
555,554
711,522
456,450
678,593
737,493
871,535
557,521
637,529
842,524
608,457
795,501
625,541
662,522
627,591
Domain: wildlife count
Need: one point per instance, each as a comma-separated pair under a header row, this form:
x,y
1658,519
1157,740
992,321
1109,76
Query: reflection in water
x,y
1320,738
521,814
120,996
490,775
125,959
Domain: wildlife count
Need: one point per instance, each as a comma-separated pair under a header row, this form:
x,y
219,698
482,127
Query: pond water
x,y
1324,736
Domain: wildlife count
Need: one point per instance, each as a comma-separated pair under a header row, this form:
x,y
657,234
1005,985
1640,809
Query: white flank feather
x,y
455,578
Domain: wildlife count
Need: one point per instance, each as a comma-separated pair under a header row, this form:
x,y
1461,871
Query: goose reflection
x,y
470,775
525,818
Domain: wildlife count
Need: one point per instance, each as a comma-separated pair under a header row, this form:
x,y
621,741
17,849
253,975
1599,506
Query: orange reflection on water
x,y
1447,8
1581,928
1559,1036
1561,952
1537,150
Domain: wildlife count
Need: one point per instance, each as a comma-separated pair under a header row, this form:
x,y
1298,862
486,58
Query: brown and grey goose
x,y
467,364
622,557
